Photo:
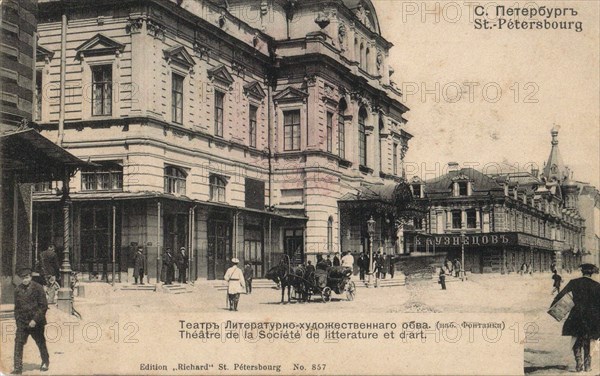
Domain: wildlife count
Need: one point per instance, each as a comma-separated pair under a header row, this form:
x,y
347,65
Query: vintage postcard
x,y
300,187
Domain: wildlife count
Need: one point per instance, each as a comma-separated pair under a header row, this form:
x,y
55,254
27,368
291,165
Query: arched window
x,y
342,129
330,234
368,60
356,50
362,137
217,188
175,178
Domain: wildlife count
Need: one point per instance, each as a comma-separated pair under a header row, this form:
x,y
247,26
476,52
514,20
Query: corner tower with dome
x,y
251,129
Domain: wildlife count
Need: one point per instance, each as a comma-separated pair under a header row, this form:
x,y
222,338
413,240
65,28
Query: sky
x,y
499,92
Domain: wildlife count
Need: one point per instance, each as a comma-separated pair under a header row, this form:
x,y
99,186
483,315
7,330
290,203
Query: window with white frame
x,y
329,132
175,180
101,90
252,126
341,131
219,114
291,130
38,95
395,158
108,176
362,137
177,99
456,219
217,188
471,218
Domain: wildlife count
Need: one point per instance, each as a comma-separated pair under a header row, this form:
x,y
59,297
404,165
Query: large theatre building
x,y
501,220
231,128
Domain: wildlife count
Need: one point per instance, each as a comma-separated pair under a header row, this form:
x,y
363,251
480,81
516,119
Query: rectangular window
x,y
252,126
219,100
471,219
462,189
329,132
418,223
107,177
38,95
341,137
177,99
102,90
217,188
362,141
395,159
456,219
175,180
291,130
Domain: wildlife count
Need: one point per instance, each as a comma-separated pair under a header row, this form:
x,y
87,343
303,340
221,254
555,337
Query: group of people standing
x,y
382,265
169,261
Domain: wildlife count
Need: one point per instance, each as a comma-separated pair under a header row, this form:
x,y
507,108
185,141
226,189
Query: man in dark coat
x,y
30,317
139,265
249,276
363,265
169,266
391,265
50,270
583,322
336,260
182,265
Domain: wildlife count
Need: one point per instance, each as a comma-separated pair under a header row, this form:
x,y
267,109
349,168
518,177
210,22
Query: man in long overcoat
x,y
50,269
583,323
30,316
139,266
182,265
169,266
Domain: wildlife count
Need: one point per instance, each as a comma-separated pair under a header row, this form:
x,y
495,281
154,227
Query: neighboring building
x,y
502,221
228,127
26,157
589,208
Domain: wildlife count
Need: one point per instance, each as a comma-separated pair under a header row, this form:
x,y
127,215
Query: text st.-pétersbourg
x,y
210,367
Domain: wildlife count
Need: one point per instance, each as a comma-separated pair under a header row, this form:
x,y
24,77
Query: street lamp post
x,y
371,232
462,256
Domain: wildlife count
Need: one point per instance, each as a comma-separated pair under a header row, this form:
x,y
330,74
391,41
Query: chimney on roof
x,y
452,166
535,171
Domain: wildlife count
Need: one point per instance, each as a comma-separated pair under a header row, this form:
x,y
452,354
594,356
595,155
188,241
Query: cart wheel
x,y
326,294
350,290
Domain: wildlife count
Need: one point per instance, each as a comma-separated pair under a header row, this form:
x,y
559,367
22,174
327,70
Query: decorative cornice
x,y
99,45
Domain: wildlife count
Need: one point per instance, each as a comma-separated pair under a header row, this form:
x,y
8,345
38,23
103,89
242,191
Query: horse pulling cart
x,y
307,283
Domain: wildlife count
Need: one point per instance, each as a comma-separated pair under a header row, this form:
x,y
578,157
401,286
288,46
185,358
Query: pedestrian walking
x,y
30,316
139,266
385,265
557,280
392,265
457,268
169,267
328,262
182,265
50,270
363,265
583,323
523,268
236,284
248,276
442,277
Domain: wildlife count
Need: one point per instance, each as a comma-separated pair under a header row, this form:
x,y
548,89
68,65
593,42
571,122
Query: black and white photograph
x,y
300,187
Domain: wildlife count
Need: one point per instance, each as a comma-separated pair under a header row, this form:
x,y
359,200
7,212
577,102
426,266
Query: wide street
x,y
108,309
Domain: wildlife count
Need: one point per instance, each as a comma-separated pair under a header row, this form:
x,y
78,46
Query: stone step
x,y
148,287
176,289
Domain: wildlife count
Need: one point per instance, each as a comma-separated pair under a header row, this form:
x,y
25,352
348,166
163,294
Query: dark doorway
x,y
294,245
219,247
253,249
175,231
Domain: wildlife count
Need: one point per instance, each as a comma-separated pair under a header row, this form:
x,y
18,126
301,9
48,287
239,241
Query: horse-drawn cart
x,y
307,283
336,279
